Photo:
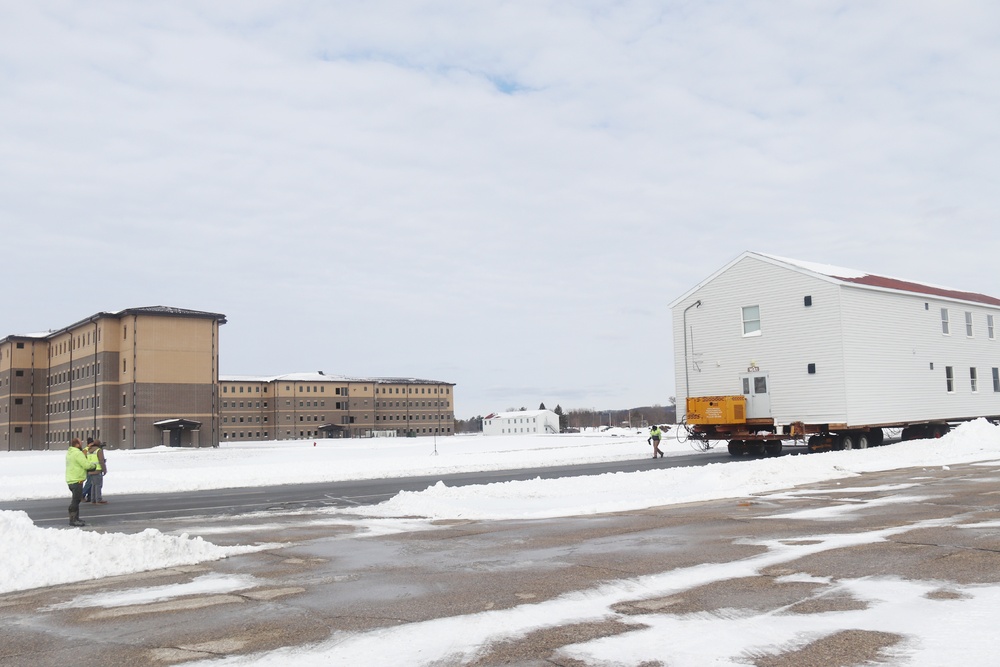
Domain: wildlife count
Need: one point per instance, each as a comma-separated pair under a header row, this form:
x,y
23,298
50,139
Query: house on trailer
x,y
838,348
525,421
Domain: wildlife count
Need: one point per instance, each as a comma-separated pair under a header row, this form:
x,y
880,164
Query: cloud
x,y
430,185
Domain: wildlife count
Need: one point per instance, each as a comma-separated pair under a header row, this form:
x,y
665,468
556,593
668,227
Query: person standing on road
x,y
654,439
77,466
95,477
86,485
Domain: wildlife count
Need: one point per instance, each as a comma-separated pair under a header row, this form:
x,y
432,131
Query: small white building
x,y
525,421
825,345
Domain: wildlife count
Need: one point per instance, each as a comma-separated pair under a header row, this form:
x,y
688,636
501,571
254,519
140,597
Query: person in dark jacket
x,y
95,477
77,466
86,485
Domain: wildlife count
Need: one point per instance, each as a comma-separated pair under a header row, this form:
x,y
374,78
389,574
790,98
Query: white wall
x,y
529,421
872,349
792,336
892,341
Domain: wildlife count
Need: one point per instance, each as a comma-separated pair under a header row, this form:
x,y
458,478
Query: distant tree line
x,y
581,418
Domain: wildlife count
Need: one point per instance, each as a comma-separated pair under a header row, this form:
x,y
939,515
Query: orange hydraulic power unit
x,y
717,410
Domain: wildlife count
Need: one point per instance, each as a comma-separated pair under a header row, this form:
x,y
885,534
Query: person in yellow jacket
x,y
77,466
654,439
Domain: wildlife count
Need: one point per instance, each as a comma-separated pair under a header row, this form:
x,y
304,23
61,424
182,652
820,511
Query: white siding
x,y
792,336
530,422
892,340
872,349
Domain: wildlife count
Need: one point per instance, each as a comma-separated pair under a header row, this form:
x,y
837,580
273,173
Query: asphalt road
x,y
344,494
781,560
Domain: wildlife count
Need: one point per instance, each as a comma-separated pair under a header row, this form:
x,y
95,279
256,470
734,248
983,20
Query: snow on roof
x,y
37,336
324,377
165,310
855,277
822,269
289,377
145,310
518,413
884,282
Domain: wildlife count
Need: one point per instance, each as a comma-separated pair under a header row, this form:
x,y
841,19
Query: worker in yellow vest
x,y
654,439
77,466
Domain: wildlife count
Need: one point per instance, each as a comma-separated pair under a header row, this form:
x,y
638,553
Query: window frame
x,y
745,321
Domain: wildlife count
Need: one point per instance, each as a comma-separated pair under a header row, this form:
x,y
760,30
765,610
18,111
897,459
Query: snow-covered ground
x,y
34,556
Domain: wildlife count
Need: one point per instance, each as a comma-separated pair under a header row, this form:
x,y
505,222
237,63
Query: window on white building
x,y
751,320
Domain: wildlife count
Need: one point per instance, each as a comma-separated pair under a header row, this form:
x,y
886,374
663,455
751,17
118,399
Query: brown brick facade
x,y
115,377
145,377
314,405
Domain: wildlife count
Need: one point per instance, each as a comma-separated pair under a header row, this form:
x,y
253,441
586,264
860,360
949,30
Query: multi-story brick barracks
x,y
143,377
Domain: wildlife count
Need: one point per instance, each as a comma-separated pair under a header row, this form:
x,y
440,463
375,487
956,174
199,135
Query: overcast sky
x,y
503,195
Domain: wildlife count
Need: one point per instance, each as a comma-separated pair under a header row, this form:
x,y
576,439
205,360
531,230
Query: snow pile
x,y
35,557
40,557
617,492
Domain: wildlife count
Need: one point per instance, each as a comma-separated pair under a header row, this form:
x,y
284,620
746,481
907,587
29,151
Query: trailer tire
x,y
772,448
737,448
876,437
864,439
847,441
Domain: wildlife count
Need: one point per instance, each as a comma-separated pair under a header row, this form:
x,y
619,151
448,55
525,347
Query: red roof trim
x,y
906,286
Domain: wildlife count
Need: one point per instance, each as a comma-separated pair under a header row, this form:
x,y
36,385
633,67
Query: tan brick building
x,y
315,405
136,378
144,377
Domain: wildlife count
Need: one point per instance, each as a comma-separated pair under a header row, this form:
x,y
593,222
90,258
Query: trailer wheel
x,y
875,437
737,448
772,448
847,441
864,441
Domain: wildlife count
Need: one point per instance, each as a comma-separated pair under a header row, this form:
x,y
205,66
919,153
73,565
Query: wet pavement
x,y
779,556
